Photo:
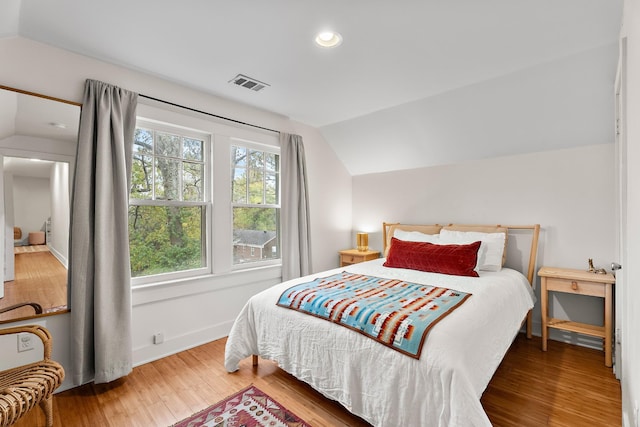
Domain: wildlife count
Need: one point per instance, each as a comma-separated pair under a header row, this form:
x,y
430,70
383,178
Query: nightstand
x,y
354,256
578,282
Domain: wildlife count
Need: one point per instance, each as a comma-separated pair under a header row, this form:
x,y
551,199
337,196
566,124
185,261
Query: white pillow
x,y
415,236
491,248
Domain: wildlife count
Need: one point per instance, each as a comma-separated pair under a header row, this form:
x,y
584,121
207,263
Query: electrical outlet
x,y
25,342
158,338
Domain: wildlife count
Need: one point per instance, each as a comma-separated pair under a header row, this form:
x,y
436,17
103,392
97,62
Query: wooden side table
x,y
578,282
354,256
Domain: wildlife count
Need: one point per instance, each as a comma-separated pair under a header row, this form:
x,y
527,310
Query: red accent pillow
x,y
458,260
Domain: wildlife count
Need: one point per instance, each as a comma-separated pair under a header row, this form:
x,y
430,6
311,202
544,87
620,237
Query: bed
x,y
459,356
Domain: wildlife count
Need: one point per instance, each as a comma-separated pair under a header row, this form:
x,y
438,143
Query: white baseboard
x,y
59,256
173,345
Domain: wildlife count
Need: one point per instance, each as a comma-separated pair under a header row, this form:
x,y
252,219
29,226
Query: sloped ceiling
x,y
395,81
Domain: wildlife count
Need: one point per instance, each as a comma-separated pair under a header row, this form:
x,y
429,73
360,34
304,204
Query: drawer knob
x,y
574,286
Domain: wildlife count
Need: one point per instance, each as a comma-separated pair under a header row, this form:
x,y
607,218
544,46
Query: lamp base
x,y
362,242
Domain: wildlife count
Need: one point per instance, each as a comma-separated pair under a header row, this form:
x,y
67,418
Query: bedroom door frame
x,y
621,205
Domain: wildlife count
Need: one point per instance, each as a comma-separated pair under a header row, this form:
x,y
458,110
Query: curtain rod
x,y
208,114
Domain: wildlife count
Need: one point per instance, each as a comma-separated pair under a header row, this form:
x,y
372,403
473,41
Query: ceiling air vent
x,y
248,82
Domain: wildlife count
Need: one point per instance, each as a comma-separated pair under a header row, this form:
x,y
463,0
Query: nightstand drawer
x,y
575,287
349,259
354,256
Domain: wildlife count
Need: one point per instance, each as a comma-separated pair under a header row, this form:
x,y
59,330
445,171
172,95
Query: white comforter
x,y
377,383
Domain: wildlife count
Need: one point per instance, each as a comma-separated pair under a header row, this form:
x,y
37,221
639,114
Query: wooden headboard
x,y
389,228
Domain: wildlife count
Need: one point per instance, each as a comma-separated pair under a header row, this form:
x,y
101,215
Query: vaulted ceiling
x,y
414,75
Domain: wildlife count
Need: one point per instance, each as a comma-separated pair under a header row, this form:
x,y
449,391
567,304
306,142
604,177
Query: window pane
x,y
238,156
143,142
167,178
167,145
192,149
164,239
255,234
256,186
239,185
255,181
142,177
271,189
271,162
192,180
256,159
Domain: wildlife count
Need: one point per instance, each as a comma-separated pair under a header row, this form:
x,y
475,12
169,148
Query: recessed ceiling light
x,y
328,39
58,125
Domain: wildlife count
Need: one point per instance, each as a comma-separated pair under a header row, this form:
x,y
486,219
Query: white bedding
x,y
377,383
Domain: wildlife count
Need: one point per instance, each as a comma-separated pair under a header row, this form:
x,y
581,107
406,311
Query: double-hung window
x,y
169,202
204,200
255,194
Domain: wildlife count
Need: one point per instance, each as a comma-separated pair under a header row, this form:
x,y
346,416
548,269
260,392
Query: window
x,y
255,194
204,199
168,203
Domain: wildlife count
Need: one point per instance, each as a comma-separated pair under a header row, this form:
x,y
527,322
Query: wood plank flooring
x,y
566,386
40,278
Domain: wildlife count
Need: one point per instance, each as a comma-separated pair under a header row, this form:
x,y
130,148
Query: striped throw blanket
x,y
395,313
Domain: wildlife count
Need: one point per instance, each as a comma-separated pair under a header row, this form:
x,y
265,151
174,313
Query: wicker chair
x,y
22,387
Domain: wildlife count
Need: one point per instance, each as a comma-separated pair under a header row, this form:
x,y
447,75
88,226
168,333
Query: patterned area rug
x,y
247,408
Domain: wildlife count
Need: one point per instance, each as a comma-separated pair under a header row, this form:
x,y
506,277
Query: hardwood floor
x,y
40,278
566,386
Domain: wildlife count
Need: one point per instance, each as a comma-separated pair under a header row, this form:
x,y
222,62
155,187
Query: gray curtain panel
x,y
296,231
99,272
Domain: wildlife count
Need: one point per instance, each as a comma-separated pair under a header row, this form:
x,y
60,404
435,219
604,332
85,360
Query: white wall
x,y
57,325
31,203
59,234
631,253
10,355
41,148
568,192
194,311
8,108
